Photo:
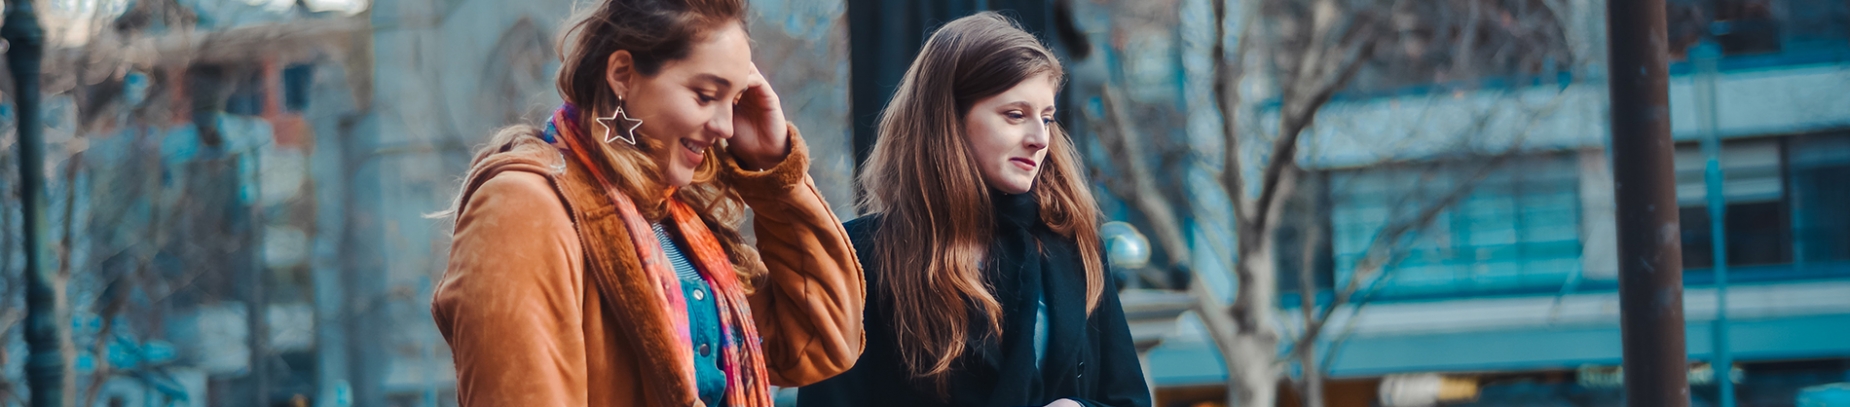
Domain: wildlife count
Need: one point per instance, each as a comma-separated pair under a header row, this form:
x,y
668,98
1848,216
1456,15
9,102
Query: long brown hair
x,y
936,212
655,32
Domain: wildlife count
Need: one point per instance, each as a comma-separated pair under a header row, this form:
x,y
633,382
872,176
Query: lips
x,y
1026,164
694,151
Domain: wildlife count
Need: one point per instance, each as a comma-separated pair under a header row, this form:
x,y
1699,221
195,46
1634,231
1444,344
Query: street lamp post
x,y
44,321
1650,255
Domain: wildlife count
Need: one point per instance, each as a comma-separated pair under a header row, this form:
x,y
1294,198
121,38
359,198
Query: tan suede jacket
x,y
544,304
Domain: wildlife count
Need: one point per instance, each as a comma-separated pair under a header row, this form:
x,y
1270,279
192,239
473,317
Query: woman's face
x,y
686,107
1009,134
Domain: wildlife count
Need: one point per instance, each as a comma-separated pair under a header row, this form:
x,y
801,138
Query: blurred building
x,y
1511,292
182,137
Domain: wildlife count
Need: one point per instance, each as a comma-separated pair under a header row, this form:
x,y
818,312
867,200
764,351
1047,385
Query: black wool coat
x,y
1089,359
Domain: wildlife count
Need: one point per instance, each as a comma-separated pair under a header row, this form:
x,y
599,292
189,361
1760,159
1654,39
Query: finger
x,y
758,90
752,83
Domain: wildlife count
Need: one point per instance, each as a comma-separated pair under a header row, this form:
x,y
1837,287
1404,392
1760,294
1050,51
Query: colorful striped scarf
x,y
747,383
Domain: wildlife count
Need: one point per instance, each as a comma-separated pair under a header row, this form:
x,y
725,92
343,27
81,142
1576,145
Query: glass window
x,y
1757,223
1305,211
1744,27
1817,23
1518,229
1751,172
1821,197
298,82
1749,27
1758,234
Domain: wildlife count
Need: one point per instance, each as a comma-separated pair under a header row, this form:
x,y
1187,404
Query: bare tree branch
x,y
1300,108
1135,183
1227,97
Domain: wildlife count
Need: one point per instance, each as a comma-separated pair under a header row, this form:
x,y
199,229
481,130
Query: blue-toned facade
x,y
1519,275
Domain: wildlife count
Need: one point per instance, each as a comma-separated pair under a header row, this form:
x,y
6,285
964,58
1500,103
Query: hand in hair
x,y
759,139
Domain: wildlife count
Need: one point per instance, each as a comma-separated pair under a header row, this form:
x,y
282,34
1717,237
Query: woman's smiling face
x,y
1009,133
686,107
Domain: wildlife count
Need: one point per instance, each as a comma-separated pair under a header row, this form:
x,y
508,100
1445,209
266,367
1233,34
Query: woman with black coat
x,y
986,279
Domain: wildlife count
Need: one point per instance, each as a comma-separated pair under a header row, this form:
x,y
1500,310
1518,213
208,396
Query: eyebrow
x,y
1023,104
715,79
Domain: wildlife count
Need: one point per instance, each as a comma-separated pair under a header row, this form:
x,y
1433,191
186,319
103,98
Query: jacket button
x,y
700,294
705,350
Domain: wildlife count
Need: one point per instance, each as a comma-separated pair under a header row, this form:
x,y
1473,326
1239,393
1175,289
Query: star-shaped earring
x,y
611,134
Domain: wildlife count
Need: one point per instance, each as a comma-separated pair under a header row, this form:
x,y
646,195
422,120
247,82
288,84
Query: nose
x,y
721,125
1037,137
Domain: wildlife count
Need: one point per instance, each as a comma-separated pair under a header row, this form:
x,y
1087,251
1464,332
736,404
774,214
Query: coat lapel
x,y
1017,274
629,297
1064,282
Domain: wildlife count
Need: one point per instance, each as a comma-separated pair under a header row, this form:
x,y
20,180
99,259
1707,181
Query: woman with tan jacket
x,y
598,261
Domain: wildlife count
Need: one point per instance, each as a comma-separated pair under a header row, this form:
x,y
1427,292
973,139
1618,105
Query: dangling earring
x,y
611,134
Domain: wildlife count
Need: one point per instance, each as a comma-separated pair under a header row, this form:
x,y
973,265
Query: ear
x,y
619,71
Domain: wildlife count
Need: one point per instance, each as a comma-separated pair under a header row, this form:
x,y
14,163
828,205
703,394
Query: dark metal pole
x,y
1650,253
44,322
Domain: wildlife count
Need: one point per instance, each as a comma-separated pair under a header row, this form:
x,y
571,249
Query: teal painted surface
x,y
1830,395
1545,349
1188,363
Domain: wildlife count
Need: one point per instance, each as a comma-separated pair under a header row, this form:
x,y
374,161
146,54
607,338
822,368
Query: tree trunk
x,y
1252,377
1313,377
1312,389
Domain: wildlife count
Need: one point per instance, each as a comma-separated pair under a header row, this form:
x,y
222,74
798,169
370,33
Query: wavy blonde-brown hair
x,y
936,213
655,32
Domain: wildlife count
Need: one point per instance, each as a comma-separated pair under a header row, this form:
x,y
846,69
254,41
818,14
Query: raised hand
x,y
760,140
